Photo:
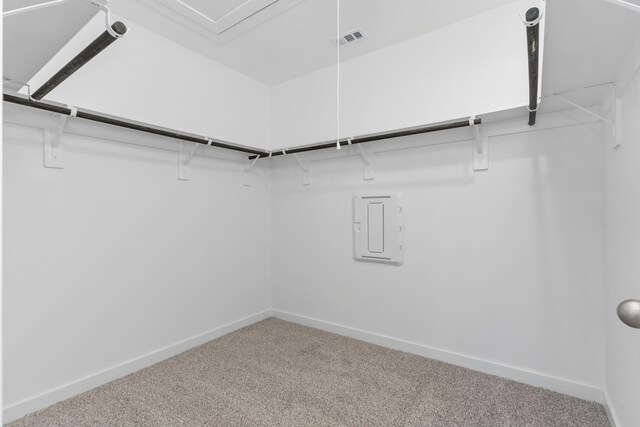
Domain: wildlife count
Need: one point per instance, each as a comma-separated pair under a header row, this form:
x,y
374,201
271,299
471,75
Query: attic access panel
x,y
31,39
378,228
221,20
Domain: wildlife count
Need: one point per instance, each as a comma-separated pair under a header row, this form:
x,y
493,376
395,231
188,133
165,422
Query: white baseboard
x,y
611,410
561,385
537,379
35,403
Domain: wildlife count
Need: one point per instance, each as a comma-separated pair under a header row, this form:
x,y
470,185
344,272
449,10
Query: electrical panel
x,y
378,228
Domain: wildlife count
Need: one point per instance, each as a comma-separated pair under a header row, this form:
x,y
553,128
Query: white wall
x,y
149,78
113,259
475,66
503,269
622,231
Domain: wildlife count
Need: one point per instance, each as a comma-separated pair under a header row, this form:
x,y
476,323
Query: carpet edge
x,y
40,401
536,379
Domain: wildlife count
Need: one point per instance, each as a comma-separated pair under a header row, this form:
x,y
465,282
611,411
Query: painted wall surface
x,y
149,78
622,231
504,265
474,66
113,258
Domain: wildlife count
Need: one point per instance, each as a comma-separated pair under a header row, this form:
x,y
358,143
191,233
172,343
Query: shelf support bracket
x,y
616,124
306,170
189,155
368,164
581,108
617,127
625,4
246,172
480,147
184,159
53,144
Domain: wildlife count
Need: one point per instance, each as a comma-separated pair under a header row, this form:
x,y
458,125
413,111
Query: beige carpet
x,y
276,373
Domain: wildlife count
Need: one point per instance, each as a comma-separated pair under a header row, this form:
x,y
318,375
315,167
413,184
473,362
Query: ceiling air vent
x,y
350,37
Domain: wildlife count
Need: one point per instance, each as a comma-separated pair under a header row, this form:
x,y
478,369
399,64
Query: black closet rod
x,y
256,153
126,124
88,53
370,138
533,48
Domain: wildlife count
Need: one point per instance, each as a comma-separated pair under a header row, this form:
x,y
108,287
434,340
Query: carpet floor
x,y
276,373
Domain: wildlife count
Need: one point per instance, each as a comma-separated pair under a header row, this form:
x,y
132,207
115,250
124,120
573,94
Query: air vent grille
x,y
350,37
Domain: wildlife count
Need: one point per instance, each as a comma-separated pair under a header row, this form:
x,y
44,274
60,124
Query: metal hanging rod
x,y
87,54
376,137
532,23
112,33
255,152
95,117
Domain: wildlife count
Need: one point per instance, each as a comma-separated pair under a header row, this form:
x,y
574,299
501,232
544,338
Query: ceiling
x,y
220,8
585,40
297,40
220,20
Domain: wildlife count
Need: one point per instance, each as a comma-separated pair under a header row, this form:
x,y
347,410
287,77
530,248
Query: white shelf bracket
x,y
581,108
368,163
190,155
183,163
480,147
625,4
246,172
616,124
617,127
185,155
53,144
34,7
306,170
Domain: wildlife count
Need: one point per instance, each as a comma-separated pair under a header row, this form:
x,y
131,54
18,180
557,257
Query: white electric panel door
x,y
378,228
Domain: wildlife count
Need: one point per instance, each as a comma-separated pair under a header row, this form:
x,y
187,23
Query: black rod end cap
x,y
532,14
121,28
